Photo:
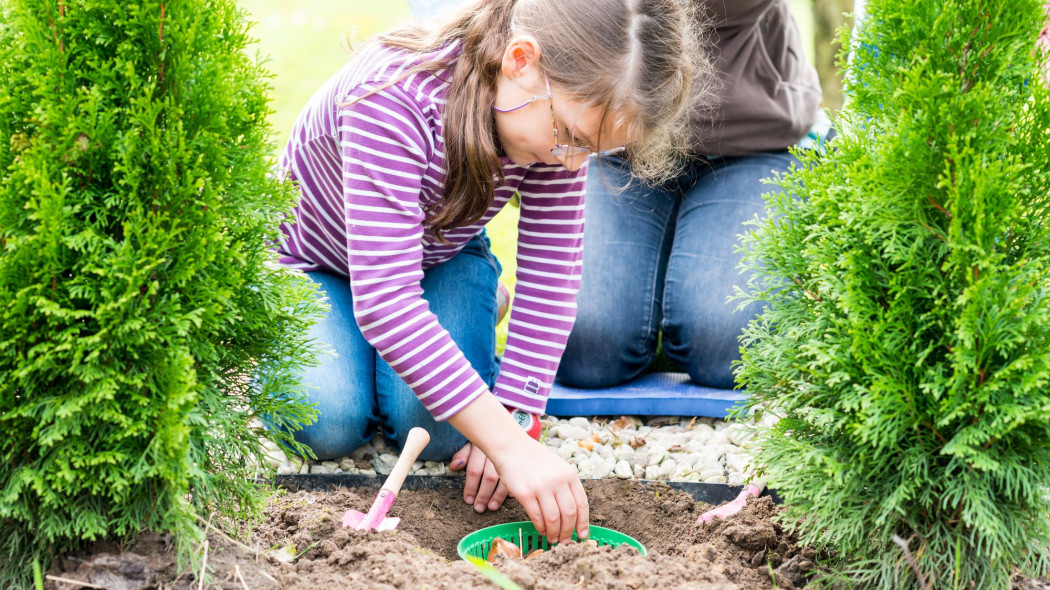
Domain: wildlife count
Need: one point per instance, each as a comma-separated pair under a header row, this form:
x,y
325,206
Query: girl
x,y
403,156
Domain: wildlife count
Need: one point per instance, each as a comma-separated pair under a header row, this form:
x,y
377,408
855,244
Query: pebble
x,y
623,470
628,447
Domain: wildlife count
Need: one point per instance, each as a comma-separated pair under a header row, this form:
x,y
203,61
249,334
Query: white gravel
x,y
661,447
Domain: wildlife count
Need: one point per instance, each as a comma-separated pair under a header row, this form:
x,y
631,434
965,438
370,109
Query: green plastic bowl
x,y
479,542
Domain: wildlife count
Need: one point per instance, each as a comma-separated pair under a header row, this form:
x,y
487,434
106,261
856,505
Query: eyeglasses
x,y
560,150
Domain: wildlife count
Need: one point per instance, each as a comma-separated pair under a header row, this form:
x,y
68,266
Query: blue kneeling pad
x,y
652,394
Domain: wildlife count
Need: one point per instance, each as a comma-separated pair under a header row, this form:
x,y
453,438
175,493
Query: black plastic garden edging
x,y
709,493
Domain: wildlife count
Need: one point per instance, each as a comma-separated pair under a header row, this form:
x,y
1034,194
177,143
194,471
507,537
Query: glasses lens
x,y
570,150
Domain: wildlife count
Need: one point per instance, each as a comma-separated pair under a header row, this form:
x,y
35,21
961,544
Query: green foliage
x,y
906,343
146,329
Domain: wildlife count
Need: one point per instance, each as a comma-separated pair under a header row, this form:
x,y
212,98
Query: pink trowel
x,y
376,519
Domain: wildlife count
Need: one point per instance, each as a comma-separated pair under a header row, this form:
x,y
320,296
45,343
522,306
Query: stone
x,y
594,468
623,470
709,474
638,459
624,423
701,429
656,455
565,452
580,422
574,432
622,452
694,446
652,472
360,452
384,463
667,468
694,459
737,463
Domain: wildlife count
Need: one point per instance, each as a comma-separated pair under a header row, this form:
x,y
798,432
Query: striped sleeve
x,y
386,145
550,249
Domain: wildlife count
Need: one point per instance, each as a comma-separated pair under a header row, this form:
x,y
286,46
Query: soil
x,y
301,545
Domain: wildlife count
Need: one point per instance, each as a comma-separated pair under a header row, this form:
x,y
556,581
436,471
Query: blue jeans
x,y
357,392
661,262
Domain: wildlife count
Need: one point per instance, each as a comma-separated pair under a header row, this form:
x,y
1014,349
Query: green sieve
x,y
479,542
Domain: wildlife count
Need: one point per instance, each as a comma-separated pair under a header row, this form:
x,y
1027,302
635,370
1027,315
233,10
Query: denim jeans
x,y
660,262
357,392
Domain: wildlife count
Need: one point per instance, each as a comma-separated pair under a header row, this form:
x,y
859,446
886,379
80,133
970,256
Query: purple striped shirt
x,y
368,172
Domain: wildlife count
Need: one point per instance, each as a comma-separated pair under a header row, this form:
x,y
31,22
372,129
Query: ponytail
x,y
473,170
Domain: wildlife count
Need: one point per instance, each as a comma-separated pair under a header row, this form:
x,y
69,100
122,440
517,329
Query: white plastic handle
x,y
417,440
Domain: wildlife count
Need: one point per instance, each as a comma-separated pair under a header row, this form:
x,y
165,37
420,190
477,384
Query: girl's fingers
x,y
459,460
475,472
583,510
551,516
535,514
499,496
567,513
489,481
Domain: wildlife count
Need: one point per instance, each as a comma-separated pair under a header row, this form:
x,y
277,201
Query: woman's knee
x,y
707,343
604,353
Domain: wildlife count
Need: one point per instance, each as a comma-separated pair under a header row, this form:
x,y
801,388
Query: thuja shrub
x,y
905,346
145,329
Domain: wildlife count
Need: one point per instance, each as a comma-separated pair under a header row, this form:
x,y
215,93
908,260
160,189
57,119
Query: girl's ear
x,y
521,60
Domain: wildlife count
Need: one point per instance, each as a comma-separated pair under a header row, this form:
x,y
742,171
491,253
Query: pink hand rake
x,y
376,519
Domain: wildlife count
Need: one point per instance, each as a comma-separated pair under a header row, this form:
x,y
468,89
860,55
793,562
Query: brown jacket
x,y
769,94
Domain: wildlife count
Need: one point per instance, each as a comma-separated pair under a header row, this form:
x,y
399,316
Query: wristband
x,y
528,421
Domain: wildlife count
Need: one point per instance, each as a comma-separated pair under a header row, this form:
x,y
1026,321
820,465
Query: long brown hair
x,y
633,58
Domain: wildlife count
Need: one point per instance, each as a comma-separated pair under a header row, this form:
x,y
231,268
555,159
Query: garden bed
x,y
300,545
747,551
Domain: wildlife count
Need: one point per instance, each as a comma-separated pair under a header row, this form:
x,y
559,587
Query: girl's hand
x,y
547,487
483,487
563,513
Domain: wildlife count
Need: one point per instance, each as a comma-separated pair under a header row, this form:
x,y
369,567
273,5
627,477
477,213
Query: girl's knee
x,y
444,439
331,439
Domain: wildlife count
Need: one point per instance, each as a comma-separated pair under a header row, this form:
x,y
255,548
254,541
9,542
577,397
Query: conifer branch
x,y
939,207
911,561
